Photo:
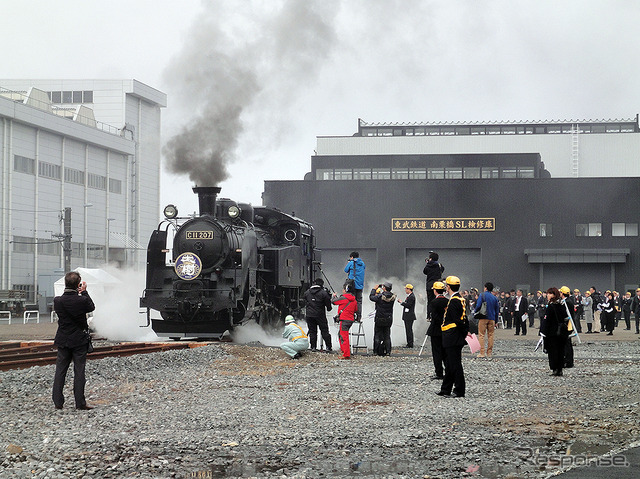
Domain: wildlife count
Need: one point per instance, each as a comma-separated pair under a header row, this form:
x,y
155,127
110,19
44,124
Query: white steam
x,y
117,314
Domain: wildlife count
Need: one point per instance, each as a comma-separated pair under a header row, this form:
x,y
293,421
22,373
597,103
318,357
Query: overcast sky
x,y
281,72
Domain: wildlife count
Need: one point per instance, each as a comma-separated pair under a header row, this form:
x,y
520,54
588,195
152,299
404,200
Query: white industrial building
x,y
92,146
568,148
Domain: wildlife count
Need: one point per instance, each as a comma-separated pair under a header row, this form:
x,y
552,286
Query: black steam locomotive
x,y
231,264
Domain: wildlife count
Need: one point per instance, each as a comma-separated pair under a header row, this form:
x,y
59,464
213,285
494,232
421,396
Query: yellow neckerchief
x,y
464,312
303,335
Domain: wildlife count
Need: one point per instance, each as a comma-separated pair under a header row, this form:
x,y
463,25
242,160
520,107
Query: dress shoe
x,y
434,377
443,394
456,395
84,408
58,407
557,372
610,333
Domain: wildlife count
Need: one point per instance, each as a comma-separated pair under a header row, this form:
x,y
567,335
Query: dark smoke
x,y
240,58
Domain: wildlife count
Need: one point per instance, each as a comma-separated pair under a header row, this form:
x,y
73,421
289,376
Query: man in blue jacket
x,y
355,271
487,321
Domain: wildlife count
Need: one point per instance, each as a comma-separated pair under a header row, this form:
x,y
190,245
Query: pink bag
x,y
472,341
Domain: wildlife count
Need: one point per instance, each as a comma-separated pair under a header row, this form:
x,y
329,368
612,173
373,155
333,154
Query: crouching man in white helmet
x,y
297,340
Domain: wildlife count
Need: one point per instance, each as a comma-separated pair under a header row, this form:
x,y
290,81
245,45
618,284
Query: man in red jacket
x,y
72,338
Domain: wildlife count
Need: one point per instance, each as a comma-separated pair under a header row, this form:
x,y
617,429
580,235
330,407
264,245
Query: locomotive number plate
x,y
199,235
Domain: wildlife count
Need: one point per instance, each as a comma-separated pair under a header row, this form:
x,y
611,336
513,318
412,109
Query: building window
x,y
400,173
546,230
417,173
471,172
74,176
71,96
97,181
490,173
453,173
49,247
380,174
23,164
324,174
49,170
343,174
589,229
624,229
435,173
115,186
510,172
77,249
362,173
95,251
23,244
526,172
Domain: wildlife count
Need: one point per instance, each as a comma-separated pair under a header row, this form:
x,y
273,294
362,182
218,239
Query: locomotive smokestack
x,y
207,199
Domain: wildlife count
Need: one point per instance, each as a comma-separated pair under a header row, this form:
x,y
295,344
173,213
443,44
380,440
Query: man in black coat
x,y
384,299
454,332
318,302
409,313
520,307
433,270
437,317
72,338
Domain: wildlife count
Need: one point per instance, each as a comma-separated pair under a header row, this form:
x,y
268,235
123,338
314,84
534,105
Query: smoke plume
x,y
241,58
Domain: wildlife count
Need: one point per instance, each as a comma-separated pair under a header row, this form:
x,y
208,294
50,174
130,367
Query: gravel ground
x,y
227,410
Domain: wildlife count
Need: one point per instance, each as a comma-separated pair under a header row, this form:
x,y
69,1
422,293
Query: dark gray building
x,y
491,217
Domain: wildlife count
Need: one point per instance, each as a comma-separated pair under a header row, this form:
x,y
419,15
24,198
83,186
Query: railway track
x,y
20,355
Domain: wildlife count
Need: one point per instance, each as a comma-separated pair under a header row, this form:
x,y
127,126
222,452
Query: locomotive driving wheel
x,y
269,317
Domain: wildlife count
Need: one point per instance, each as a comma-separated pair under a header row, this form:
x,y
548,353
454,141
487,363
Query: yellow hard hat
x,y
438,285
576,290
409,286
565,290
452,280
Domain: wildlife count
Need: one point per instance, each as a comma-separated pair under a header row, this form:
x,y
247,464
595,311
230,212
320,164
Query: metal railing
x,y
20,97
27,316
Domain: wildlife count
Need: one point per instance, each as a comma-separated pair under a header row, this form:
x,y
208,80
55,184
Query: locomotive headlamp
x,y
233,211
170,212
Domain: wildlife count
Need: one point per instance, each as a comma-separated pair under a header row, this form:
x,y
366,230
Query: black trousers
x,y
408,328
453,373
430,297
627,319
517,318
65,356
610,321
438,353
358,295
381,340
314,324
568,353
555,349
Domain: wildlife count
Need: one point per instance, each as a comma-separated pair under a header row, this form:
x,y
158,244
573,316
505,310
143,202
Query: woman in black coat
x,y
554,331
608,313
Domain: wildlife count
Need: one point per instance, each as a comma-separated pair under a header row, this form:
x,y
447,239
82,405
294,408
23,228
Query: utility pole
x,y
66,240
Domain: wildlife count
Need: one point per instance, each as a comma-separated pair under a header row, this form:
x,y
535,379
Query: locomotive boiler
x,y
231,264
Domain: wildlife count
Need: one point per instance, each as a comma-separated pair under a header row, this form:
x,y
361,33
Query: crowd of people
x,y
452,313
